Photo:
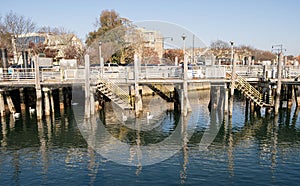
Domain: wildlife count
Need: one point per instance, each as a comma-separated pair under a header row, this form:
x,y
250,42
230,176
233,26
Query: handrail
x,y
114,88
248,89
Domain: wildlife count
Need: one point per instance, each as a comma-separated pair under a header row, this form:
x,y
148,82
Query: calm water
x,y
245,150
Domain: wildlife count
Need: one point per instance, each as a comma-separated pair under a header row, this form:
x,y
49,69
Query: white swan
x,y
124,118
74,103
31,110
149,116
16,115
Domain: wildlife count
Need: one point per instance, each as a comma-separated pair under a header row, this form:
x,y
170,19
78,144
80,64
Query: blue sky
x,y
258,23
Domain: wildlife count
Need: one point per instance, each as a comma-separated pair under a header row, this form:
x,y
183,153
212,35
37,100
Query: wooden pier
x,y
46,90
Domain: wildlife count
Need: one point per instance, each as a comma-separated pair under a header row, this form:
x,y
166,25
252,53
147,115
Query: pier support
x,y
46,101
278,90
2,106
10,103
296,95
22,100
51,101
87,108
232,86
186,103
92,100
38,90
61,99
226,99
138,99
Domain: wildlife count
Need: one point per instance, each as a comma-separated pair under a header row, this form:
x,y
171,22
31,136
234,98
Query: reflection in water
x,y
242,147
184,133
230,148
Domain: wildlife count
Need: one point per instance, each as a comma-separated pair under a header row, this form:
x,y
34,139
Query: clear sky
x,y
258,23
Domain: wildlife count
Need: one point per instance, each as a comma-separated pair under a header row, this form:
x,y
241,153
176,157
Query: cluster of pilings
x,y
25,100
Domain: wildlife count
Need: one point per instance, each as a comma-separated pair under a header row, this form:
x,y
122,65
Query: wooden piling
x,y
247,109
92,100
2,106
138,100
186,103
38,90
278,90
10,103
232,86
225,100
22,100
87,110
296,95
61,99
46,101
51,101
230,110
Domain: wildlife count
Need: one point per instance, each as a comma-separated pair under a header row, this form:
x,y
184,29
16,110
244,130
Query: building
x,y
55,42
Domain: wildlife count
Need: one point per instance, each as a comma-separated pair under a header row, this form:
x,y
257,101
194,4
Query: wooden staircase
x,y
114,93
250,92
161,92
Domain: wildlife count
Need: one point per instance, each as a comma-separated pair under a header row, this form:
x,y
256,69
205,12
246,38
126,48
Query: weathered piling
x,y
51,101
2,106
87,110
138,100
10,103
61,98
92,100
46,101
225,99
38,90
22,100
278,90
232,86
296,95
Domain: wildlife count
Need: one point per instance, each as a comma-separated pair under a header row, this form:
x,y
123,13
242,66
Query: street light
x,y
231,58
183,36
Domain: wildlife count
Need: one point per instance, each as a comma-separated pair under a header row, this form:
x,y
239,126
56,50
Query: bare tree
x,y
15,26
54,30
219,44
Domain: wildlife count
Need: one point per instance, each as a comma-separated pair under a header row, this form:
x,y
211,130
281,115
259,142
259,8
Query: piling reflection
x,y
57,139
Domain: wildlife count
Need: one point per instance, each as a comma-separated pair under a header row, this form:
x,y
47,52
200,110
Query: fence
x,y
123,74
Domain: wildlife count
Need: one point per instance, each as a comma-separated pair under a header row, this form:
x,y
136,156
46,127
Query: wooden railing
x,y
126,73
251,92
114,92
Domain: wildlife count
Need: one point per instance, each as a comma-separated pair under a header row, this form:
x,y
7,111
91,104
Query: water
x,y
244,150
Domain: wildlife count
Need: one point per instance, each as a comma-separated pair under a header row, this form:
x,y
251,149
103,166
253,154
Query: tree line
x,y
110,34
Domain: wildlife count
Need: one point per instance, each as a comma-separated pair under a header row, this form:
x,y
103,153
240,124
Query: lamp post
x,y
231,58
233,70
100,58
232,86
183,36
